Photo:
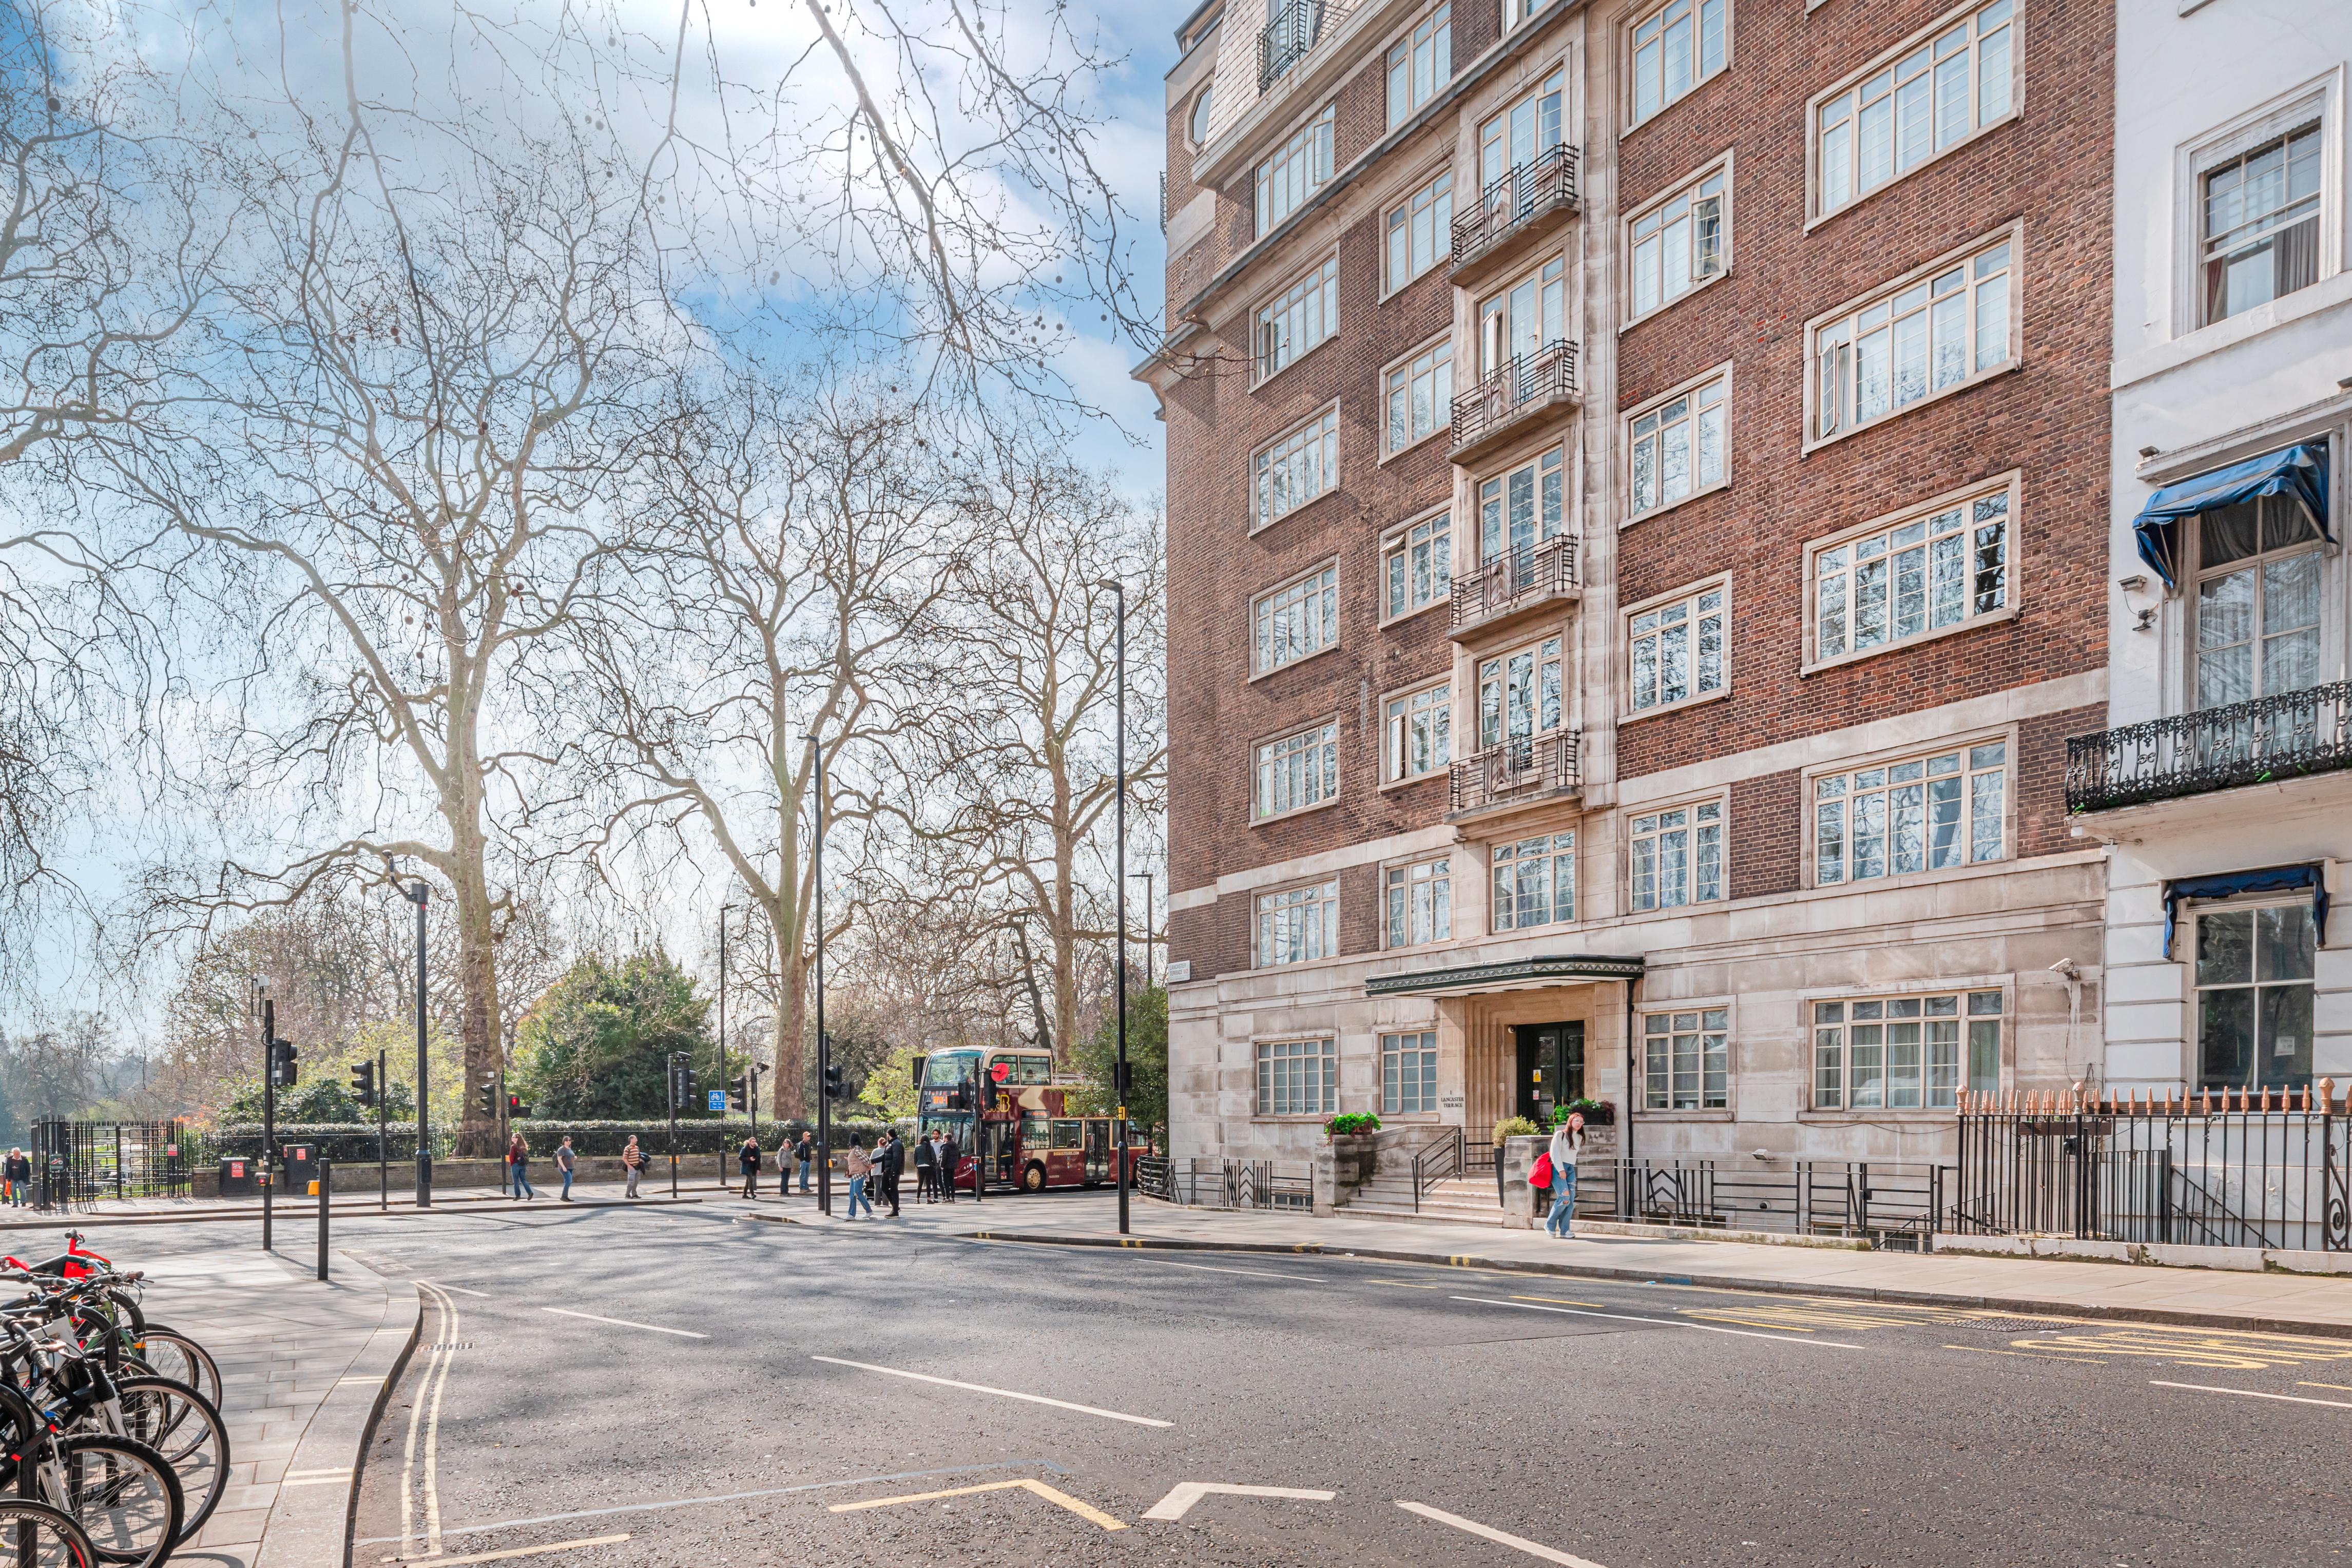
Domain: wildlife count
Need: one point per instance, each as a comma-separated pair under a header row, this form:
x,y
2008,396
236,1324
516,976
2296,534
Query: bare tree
x,y
775,611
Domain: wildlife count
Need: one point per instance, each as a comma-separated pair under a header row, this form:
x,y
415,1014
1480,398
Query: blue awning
x,y
2229,884
2297,471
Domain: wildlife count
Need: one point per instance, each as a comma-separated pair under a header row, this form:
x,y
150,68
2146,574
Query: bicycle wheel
x,y
34,1536
186,1428
171,1354
122,1493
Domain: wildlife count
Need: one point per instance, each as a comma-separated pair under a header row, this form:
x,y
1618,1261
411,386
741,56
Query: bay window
x,y
1519,695
1521,509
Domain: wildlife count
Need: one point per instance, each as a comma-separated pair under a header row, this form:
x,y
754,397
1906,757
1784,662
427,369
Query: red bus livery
x,y
1031,1134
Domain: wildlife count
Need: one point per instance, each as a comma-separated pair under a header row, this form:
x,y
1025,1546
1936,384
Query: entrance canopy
x,y
2300,472
1523,974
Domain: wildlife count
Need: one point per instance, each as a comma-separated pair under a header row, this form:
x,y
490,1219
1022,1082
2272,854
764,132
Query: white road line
x,y
1000,1393
1260,1273
510,1552
1501,1538
463,1292
625,1323
2250,1394
433,1434
1662,1322
1184,1494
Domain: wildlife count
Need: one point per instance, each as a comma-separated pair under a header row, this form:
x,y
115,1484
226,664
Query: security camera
x,y
2066,966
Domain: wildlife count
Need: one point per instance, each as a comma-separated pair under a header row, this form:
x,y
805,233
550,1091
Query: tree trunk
x,y
477,1134
791,1038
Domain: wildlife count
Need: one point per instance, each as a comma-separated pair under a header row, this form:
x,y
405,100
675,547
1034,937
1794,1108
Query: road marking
x,y
1501,1538
1260,1273
1660,1322
2027,1354
1000,1393
1059,1499
2347,1387
2250,1393
428,1393
2211,1350
624,1324
1184,1494
463,1292
510,1552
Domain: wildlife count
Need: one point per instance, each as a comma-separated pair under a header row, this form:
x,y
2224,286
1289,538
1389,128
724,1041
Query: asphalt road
x,y
744,1404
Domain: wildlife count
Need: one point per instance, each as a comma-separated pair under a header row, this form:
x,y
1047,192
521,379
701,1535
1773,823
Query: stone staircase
x,y
1461,1200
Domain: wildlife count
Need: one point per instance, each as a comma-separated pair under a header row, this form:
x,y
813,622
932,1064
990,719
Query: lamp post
x,y
417,893
1145,877
1118,1086
720,1076
824,1046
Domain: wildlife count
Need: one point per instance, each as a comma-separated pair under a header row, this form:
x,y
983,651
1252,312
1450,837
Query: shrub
x,y
1354,1121
1596,1113
1514,1127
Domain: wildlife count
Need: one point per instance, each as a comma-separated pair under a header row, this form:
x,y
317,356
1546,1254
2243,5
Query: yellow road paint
x,y
2027,1354
1059,1499
1800,1317
510,1552
2210,1349
2343,1387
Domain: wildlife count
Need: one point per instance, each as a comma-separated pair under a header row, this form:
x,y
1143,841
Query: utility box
x,y
301,1165
238,1176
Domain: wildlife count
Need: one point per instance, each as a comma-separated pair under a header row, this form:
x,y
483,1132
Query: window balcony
x,y
1293,29
1520,208
2260,741
1514,585
1524,771
1521,390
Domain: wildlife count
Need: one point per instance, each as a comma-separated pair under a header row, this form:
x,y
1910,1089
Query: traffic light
x,y
738,1093
516,1109
364,1085
282,1071
489,1094
833,1089
688,1086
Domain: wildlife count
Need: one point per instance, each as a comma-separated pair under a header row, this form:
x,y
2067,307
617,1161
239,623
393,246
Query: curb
x,y
310,1527
2021,1306
303,1209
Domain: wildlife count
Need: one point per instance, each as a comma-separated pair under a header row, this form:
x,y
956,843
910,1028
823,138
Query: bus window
x,y
1036,1070
1066,1135
947,1068
1033,1131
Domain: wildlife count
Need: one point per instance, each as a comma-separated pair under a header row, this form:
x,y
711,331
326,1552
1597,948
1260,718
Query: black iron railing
x,y
1288,34
1526,575
2252,742
2264,1168
1522,769
1519,197
1892,1204
1520,386
1205,1182
1441,1159
79,1163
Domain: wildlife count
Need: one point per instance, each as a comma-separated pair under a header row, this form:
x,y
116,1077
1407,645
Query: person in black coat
x,y
926,1171
893,1164
950,1160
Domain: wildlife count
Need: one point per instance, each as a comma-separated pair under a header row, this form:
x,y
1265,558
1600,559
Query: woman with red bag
x,y
1567,1143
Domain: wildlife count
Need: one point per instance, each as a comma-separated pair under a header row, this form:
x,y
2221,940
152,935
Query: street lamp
x,y
720,1076
417,893
1145,878
1118,1083
824,1046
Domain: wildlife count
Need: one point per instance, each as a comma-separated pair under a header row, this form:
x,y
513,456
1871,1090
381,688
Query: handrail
x,y
2252,742
1441,1159
1537,571
1291,31
1520,766
1538,376
1519,192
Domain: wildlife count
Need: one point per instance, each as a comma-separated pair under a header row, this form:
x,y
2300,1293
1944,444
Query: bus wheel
x,y
1033,1179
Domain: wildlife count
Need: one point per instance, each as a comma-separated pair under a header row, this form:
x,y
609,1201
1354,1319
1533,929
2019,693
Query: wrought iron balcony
x,y
1293,29
1521,772
1531,200
1515,581
1521,388
2255,742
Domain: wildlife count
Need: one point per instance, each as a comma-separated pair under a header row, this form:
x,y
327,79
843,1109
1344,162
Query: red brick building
x,y
1637,501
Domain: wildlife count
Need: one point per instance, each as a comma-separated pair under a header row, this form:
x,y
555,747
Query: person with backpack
x,y
519,1163
803,1155
747,1160
893,1164
857,1164
633,1163
1567,1143
565,1159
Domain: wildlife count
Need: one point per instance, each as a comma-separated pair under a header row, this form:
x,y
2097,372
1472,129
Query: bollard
x,y
326,1190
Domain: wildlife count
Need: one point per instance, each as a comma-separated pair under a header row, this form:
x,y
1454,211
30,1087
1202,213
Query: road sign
x,y
718,1099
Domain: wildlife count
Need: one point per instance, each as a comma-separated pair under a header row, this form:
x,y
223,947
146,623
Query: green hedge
x,y
348,1143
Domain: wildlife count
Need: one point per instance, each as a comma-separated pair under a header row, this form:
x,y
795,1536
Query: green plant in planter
x,y
1353,1123
1514,1127
1596,1113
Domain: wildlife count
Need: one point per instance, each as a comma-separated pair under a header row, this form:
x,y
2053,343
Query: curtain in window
x,y
2299,471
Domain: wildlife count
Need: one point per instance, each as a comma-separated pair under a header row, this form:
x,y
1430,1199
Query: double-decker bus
x,y
1024,1138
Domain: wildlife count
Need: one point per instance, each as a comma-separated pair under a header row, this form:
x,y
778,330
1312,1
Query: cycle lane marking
x,y
1184,1494
1660,1322
624,1323
1059,1499
1500,1537
1000,1393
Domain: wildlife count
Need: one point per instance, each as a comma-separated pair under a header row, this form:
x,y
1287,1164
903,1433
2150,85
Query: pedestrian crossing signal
x,y
833,1089
364,1085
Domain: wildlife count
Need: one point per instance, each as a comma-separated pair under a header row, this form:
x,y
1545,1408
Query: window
x,y
1068,1135
1679,244
1686,1060
1409,1074
1524,319
1295,620
1293,174
1676,651
1521,509
1298,925
1421,396
1675,47
1922,338
1518,136
1421,64
1535,882
2262,225
2255,997
1904,1053
1420,903
1307,312
1518,694
1678,446
1421,231
1677,857
1298,770
1420,733
1929,813
1298,468
1901,115
1420,565
1201,118
2258,597
1299,1078
1916,577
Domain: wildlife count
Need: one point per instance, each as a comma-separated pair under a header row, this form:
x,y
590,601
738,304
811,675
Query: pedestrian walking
x,y
747,1160
894,1164
633,1163
859,1166
950,1155
517,1163
927,1170
1567,1143
803,1155
17,1174
564,1161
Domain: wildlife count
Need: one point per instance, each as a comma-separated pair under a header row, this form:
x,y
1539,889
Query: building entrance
x,y
1551,1068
